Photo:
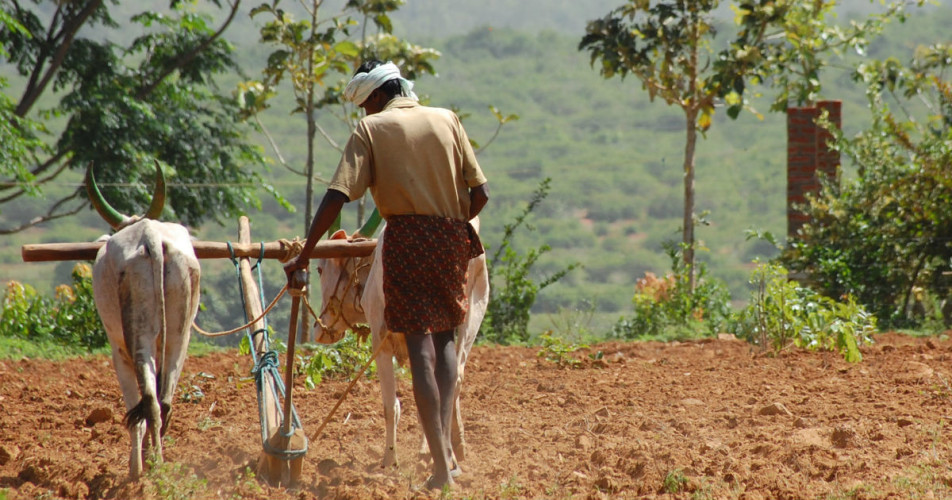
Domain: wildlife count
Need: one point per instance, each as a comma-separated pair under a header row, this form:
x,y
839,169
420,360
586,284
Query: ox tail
x,y
137,414
157,251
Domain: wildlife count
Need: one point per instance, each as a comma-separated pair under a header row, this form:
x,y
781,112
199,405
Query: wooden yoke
x,y
44,252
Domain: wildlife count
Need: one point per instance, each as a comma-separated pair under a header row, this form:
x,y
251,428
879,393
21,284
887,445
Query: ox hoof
x,y
432,483
389,460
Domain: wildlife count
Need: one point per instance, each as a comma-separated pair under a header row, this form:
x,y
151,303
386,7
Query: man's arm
x,y
326,214
478,196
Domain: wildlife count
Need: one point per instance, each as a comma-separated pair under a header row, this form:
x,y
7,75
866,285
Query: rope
x,y
335,303
294,248
246,325
269,363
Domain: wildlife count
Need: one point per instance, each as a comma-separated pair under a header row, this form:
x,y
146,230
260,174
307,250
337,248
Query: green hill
x,y
614,157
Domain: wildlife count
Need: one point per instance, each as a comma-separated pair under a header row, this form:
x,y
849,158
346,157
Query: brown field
x,y
709,419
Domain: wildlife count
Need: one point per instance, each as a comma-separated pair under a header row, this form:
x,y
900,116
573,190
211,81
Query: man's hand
x,y
295,264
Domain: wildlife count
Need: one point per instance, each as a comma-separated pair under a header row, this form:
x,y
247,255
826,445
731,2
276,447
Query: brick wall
x,y
808,156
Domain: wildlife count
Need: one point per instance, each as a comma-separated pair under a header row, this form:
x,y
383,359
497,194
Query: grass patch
x,y
926,481
13,348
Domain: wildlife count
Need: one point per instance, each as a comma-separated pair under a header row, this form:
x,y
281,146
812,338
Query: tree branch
x,y
189,56
70,27
50,215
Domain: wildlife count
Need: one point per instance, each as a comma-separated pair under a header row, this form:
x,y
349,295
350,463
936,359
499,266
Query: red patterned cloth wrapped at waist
x,y
425,259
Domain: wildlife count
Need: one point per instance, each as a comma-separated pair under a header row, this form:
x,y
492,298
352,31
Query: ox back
x,y
146,288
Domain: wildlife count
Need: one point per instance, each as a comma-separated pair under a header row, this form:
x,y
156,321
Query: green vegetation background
x,y
614,157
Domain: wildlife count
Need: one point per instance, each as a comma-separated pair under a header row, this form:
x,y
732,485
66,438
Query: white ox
x,y
146,289
352,290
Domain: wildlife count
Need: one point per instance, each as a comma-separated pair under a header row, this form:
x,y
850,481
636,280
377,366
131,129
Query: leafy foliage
x,y
315,55
341,359
665,308
69,318
558,351
782,313
512,291
883,237
667,45
789,44
124,107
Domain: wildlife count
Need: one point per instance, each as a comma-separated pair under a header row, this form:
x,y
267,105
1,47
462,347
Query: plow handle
x,y
296,289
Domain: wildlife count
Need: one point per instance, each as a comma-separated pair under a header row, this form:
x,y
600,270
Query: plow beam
x,y
44,252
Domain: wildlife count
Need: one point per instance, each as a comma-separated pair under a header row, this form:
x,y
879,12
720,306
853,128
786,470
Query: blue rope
x,y
268,363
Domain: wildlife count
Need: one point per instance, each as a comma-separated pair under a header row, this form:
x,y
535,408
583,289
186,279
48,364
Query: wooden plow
x,y
283,441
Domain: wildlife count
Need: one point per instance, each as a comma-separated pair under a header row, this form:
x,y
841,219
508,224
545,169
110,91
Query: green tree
x,y
316,56
788,44
666,45
883,236
16,134
120,107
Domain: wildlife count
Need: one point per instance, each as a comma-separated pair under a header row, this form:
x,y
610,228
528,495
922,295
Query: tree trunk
x,y
688,230
309,201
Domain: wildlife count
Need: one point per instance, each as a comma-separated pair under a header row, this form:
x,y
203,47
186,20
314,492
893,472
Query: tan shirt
x,y
414,159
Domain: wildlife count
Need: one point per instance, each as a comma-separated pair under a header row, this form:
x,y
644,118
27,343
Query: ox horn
x,y
111,215
370,227
158,194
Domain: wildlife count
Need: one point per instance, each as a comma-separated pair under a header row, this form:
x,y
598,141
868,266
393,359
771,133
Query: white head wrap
x,y
363,84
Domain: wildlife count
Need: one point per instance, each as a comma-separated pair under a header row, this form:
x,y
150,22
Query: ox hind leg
x,y
181,302
391,405
140,329
144,418
130,394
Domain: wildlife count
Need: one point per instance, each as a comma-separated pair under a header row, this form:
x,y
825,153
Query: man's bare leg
x,y
446,378
426,392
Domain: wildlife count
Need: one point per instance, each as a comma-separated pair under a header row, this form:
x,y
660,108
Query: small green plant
x,y
674,481
782,313
575,322
343,358
246,485
207,423
666,309
68,318
512,488
558,351
171,481
512,290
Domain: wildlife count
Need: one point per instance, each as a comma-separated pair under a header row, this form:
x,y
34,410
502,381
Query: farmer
x,y
422,173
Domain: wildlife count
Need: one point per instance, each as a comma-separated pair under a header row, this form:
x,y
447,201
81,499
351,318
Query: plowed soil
x,y
707,419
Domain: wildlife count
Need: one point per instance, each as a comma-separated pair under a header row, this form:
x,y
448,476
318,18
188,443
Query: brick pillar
x,y
801,163
809,156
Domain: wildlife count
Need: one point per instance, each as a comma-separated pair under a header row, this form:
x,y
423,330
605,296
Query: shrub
x,y
782,313
68,318
665,308
512,290
341,359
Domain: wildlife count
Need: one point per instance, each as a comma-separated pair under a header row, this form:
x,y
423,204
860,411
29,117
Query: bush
x,y
782,313
666,309
344,358
512,290
68,318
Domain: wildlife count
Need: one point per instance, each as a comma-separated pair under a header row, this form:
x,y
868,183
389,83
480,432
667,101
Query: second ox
x,y
352,291
146,289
